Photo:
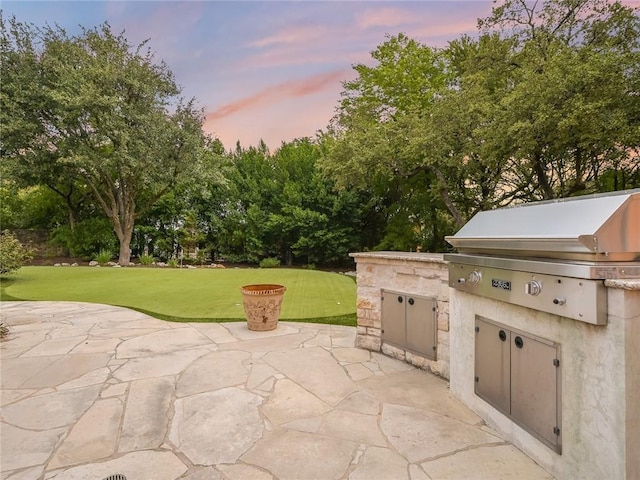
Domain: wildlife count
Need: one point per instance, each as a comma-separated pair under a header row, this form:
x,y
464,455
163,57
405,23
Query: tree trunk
x,y
73,210
444,194
72,219
120,208
125,252
543,179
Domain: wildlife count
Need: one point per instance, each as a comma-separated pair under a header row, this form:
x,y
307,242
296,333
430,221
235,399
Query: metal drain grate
x,y
117,476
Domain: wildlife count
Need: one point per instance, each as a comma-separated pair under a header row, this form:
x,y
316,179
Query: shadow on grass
x,y
348,320
5,282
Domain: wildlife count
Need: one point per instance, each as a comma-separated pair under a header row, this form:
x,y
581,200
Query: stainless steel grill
x,y
550,256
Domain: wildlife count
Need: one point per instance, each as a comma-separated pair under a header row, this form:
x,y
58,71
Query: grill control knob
x,y
475,277
534,287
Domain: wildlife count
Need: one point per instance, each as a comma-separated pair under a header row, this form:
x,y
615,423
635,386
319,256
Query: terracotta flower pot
x,y
262,304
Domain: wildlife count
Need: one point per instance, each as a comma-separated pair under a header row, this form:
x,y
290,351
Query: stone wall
x,y
37,241
422,274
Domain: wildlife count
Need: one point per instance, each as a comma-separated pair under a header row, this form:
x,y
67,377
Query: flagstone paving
x,y
89,391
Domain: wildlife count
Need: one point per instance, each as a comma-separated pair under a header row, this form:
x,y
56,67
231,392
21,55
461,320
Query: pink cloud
x,y
299,54
279,113
295,118
449,29
384,17
351,45
274,94
292,35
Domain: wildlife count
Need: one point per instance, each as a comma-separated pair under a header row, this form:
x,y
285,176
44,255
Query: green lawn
x,y
188,294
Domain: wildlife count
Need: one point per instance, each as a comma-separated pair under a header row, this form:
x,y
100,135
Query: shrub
x,y
147,260
88,236
172,262
12,253
269,262
103,256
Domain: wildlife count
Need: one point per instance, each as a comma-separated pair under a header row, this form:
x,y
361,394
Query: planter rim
x,y
263,289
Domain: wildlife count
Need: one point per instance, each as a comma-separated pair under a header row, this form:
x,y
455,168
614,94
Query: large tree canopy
x,y
375,142
93,114
571,117
542,104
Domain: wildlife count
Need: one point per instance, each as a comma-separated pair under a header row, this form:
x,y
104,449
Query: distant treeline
x,y
100,148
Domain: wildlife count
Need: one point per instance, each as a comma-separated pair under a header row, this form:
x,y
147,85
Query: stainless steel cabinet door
x,y
492,365
421,319
534,386
520,376
393,322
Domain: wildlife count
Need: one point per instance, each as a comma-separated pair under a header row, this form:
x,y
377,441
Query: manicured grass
x,y
189,294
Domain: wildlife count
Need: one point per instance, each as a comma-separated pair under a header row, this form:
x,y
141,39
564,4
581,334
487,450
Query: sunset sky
x,y
263,69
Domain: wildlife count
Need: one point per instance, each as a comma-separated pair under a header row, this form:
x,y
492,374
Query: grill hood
x,y
594,228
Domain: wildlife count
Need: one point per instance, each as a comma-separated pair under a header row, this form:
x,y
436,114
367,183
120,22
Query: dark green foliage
x,y
92,115
12,254
280,205
86,238
30,207
543,104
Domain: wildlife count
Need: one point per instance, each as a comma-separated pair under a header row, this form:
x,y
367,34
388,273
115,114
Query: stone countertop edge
x,y
406,256
626,284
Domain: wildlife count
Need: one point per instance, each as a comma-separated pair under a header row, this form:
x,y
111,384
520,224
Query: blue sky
x,y
262,69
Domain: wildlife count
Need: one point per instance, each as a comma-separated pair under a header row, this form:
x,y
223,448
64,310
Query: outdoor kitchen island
x,y
543,327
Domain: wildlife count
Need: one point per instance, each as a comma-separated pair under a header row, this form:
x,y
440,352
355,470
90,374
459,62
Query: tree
x,y
308,221
94,109
379,138
543,104
573,108
381,109
32,207
280,205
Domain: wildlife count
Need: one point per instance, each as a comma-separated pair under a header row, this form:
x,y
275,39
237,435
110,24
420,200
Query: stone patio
x,y
91,390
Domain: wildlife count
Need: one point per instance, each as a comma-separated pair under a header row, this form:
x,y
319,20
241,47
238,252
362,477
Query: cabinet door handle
x,y
411,301
502,335
399,299
519,342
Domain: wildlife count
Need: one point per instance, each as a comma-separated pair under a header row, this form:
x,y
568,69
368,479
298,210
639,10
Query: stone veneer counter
x,y
406,256
632,284
601,363
413,273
